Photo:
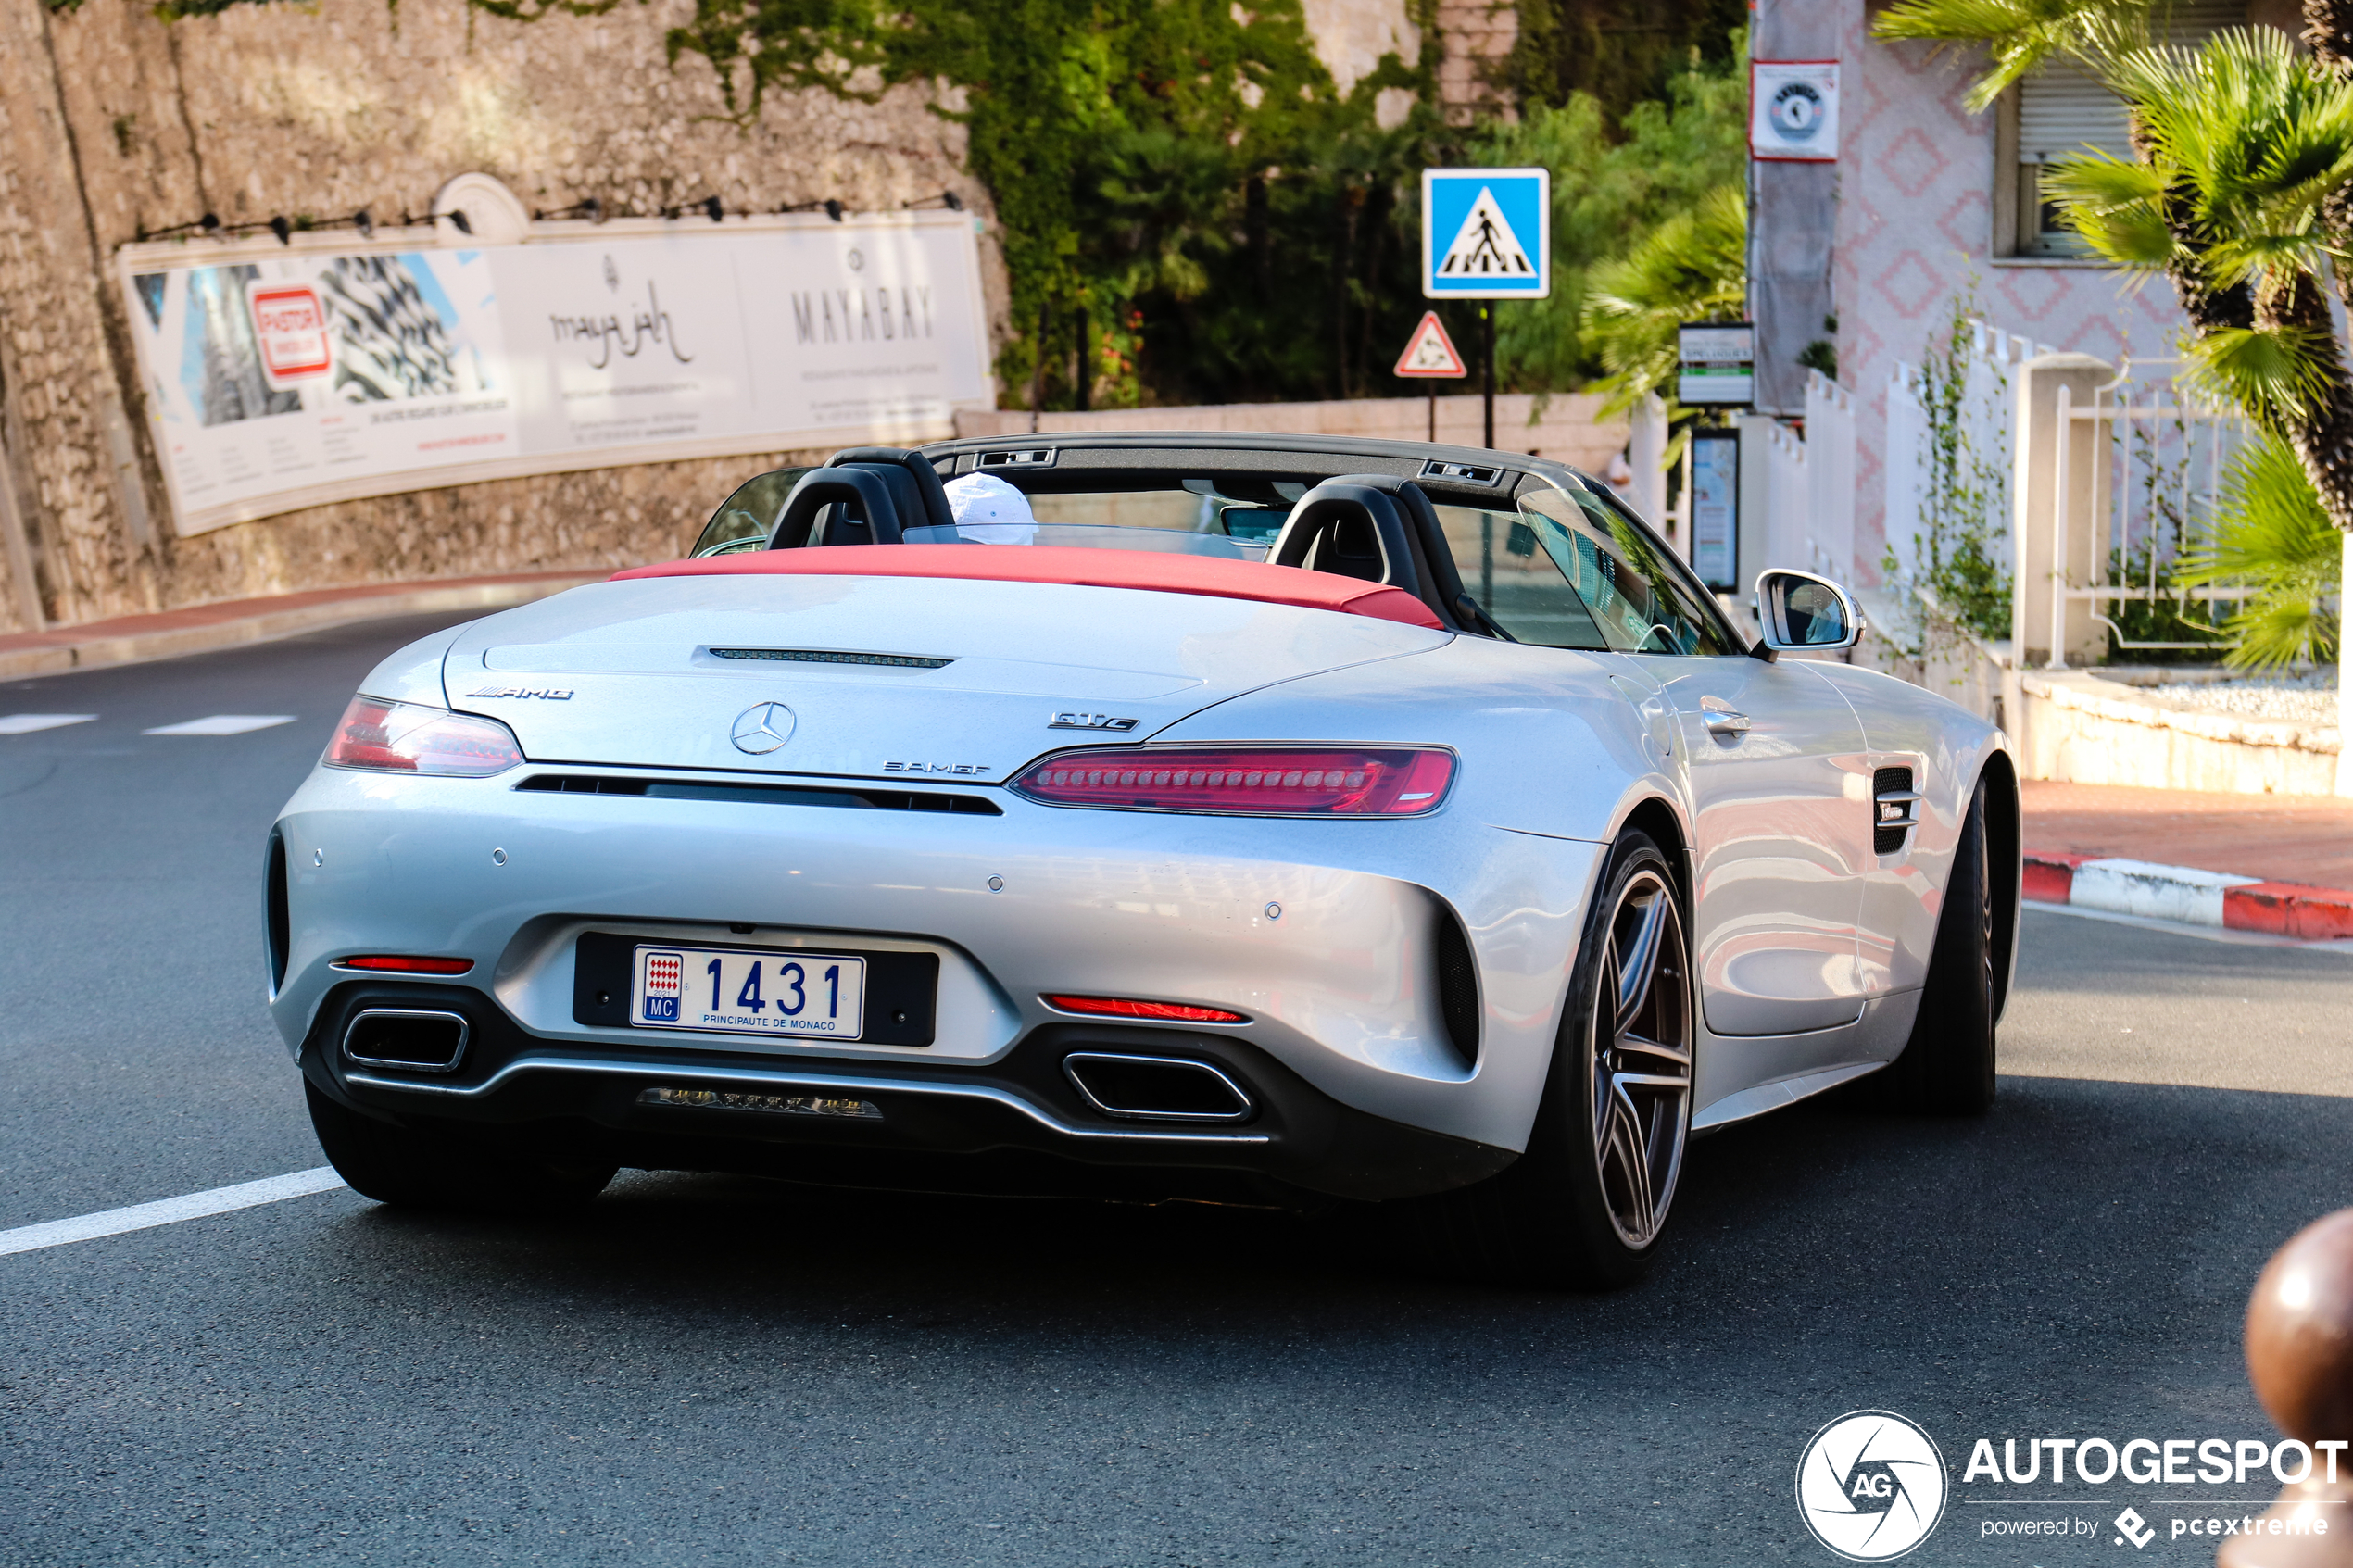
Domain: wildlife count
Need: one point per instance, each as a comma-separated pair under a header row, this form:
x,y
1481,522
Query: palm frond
x,y
2271,536
2275,373
2022,35
1692,267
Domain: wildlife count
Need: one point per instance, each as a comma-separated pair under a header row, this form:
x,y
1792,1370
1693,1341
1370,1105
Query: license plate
x,y
749,993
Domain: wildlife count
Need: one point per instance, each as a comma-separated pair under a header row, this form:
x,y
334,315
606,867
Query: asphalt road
x,y
706,1370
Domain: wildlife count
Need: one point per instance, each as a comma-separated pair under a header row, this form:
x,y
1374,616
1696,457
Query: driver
x,y
990,511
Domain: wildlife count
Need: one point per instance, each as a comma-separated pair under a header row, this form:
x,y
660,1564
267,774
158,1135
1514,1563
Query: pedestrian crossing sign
x,y
1487,234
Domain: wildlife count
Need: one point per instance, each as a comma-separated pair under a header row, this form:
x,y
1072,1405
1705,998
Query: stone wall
x,y
111,121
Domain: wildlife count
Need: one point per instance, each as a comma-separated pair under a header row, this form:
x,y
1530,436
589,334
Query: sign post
x,y
1487,234
1715,364
1429,352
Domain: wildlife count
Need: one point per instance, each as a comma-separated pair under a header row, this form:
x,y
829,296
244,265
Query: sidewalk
x,y
2280,864
132,639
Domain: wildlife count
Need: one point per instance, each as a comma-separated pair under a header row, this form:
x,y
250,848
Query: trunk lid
x,y
882,677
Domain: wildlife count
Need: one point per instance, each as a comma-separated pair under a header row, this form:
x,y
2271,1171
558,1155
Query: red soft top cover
x,y
1157,570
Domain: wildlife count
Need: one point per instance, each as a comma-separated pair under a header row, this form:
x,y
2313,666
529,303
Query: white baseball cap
x,y
990,511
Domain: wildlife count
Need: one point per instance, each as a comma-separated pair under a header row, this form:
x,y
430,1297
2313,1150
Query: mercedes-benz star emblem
x,y
762,728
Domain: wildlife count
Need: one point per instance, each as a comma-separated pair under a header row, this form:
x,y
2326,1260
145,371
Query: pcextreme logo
x,y
1871,1485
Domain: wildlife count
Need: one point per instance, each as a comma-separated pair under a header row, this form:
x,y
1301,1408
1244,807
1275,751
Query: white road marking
x,y
169,1210
26,723
222,724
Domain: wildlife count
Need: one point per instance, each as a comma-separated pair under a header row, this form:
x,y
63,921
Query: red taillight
x,y
1247,781
393,963
1113,1007
408,738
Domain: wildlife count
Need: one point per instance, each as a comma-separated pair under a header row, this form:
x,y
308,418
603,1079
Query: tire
x,y
1586,1204
412,1170
1947,1066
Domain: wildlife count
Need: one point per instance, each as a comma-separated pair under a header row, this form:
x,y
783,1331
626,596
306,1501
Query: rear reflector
x,y
1250,782
1114,1007
393,963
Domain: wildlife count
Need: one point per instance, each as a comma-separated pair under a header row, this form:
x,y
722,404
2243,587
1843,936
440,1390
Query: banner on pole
x,y
1430,352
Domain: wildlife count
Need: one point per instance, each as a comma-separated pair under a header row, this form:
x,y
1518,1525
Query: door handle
x,y
1723,722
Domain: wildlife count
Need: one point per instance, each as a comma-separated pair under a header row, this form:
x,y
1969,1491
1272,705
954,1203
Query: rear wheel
x,y
1586,1204
412,1170
1947,1066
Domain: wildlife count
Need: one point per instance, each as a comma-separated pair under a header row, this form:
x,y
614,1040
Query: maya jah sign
x,y
1717,363
1487,234
1430,352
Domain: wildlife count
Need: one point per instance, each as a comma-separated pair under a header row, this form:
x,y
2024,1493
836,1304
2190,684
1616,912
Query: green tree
x,y
2272,537
1691,268
2240,191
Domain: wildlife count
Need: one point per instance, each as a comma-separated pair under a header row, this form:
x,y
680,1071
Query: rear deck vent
x,y
1465,473
1031,458
1457,988
1894,809
825,656
848,797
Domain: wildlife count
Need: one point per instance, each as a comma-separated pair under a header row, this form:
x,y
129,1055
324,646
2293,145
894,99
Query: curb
x,y
2188,895
136,639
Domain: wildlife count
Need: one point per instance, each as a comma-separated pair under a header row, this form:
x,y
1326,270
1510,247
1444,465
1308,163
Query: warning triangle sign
x,y
1430,352
1485,246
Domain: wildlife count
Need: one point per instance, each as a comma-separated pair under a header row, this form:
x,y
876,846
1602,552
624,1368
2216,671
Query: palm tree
x,y
1691,268
2240,192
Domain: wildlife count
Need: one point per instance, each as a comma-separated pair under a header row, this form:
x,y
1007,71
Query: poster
x,y
1715,507
286,377
1792,109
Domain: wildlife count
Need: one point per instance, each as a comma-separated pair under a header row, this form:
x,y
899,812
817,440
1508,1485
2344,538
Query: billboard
x,y
279,376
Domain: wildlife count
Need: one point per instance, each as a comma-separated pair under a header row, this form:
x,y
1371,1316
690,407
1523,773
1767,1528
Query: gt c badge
x,y
762,728
1090,721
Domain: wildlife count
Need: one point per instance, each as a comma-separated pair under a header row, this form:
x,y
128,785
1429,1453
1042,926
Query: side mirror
x,y
1803,613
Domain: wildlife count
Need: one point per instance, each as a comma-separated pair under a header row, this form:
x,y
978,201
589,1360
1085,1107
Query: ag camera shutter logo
x,y
1871,1485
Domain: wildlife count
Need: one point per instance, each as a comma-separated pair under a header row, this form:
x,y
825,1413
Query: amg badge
x,y
969,770
548,694
1090,721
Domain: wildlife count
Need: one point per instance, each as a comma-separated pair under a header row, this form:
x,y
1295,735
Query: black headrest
x,y
924,500
865,491
1332,507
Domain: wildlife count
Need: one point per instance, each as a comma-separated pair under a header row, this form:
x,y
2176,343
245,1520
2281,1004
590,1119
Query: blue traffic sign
x,y
1487,234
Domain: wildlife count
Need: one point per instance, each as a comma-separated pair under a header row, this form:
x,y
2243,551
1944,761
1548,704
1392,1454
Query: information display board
x,y
279,376
1715,507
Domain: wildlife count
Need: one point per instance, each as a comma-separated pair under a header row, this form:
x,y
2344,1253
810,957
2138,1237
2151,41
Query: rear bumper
x,y
925,1125
1323,934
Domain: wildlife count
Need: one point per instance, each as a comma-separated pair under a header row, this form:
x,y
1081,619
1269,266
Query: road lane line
x,y
222,724
27,724
169,1210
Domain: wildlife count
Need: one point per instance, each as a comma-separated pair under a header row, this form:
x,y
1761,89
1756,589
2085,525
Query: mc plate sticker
x,y
764,991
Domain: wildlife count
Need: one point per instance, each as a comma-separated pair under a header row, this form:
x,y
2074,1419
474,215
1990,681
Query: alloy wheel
x,y
1641,1053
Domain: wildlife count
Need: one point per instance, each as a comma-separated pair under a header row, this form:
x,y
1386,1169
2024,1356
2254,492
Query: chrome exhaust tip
x,y
1156,1088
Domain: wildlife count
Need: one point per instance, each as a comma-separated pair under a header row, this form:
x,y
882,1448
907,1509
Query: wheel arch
x,y
2005,860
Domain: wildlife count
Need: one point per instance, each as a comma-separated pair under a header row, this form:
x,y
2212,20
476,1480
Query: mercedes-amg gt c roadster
x,y
1269,819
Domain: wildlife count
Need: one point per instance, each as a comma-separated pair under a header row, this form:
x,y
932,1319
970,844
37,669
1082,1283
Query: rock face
x,y
111,123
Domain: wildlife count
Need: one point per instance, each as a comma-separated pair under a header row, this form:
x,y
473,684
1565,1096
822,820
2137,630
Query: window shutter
x,y
2062,109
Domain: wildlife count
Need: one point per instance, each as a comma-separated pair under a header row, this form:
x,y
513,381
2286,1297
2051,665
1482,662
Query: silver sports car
x,y
1267,818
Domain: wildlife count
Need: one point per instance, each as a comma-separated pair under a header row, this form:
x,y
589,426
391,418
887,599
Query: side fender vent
x,y
280,916
1896,808
1457,986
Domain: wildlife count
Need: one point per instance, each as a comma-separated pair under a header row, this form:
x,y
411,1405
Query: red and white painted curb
x,y
2191,897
